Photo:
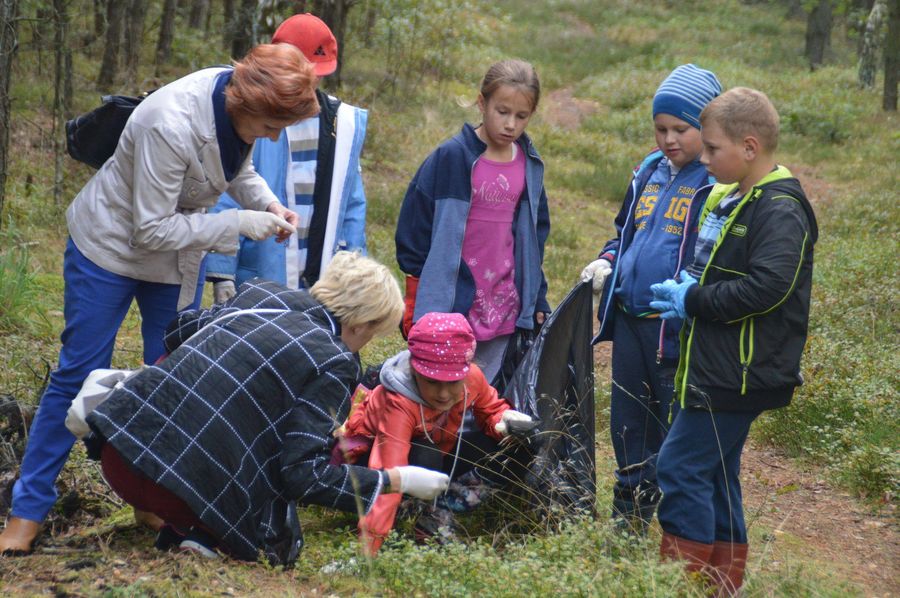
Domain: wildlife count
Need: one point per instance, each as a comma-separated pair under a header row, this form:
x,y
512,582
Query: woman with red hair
x,y
139,230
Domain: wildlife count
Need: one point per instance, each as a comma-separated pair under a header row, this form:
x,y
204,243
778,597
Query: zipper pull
x,y
658,356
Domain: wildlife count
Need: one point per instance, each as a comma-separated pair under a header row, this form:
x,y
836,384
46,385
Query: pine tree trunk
x,y
99,17
371,16
9,24
871,43
199,9
115,21
134,37
892,57
243,29
818,33
63,55
166,34
228,23
41,31
206,25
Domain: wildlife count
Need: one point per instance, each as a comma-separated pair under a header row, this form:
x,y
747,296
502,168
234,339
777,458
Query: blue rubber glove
x,y
668,296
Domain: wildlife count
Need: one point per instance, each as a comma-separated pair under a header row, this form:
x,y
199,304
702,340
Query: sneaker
x,y
200,543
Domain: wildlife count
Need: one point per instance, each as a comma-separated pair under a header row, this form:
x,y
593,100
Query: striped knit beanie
x,y
685,93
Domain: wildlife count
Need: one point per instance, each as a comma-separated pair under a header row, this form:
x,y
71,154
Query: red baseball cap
x,y
309,34
441,346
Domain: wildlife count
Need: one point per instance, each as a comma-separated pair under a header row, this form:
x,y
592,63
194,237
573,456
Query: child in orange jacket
x,y
415,414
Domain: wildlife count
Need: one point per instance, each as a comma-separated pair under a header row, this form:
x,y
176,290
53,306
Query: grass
x,y
609,56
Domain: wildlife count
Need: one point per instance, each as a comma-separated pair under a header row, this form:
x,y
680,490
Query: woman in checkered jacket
x,y
235,426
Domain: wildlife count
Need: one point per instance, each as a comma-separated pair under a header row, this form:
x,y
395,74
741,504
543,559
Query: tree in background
x,y
166,34
199,10
818,33
115,25
243,28
134,38
872,40
62,92
9,22
892,57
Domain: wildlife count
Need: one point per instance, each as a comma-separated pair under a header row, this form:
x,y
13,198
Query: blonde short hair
x,y
743,112
358,290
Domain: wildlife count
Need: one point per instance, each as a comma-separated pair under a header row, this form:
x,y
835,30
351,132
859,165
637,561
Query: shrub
x,y
19,293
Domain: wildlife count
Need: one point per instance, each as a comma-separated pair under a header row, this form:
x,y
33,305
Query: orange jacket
x,y
392,420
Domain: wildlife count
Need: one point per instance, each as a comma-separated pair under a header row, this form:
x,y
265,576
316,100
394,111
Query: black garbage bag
x,y
554,383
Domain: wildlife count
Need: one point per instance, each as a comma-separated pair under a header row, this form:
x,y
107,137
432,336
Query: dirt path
x,y
818,523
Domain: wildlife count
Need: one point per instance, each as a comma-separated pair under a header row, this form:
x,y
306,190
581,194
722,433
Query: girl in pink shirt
x,y
474,221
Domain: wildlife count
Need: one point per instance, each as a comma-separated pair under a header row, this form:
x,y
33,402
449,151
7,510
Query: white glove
x,y
597,271
510,415
223,291
261,225
422,483
96,388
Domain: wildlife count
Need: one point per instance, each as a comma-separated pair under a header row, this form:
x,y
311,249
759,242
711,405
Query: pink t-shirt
x,y
488,247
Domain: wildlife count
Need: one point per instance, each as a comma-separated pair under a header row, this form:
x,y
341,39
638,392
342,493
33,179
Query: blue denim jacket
x,y
432,225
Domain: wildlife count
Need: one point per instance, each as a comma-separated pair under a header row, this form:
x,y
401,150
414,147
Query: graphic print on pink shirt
x,y
489,247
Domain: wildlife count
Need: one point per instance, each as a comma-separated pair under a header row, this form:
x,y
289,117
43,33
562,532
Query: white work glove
x,y
223,290
596,271
510,415
261,225
422,483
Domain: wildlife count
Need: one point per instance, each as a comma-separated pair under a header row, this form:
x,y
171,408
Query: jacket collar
x,y
203,125
232,148
396,376
475,146
722,190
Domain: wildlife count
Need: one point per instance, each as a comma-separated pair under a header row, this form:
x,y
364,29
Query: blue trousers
x,y
641,398
699,474
96,303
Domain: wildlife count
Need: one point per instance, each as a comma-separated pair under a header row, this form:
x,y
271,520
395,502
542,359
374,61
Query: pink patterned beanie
x,y
442,346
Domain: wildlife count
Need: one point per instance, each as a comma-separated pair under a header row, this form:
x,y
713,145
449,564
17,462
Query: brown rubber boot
x,y
18,537
695,554
727,564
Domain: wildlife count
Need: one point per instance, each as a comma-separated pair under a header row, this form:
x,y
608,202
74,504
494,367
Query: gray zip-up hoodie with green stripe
x,y
750,310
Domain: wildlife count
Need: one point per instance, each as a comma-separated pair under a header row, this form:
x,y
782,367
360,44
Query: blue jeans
x,y
699,474
641,398
96,303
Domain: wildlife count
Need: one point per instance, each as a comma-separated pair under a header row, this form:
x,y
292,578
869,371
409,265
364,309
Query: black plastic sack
x,y
555,384
519,343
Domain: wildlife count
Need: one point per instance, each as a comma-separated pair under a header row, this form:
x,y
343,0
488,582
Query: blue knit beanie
x,y
685,93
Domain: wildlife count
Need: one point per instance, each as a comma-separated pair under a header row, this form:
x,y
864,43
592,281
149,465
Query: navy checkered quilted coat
x,y
237,421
